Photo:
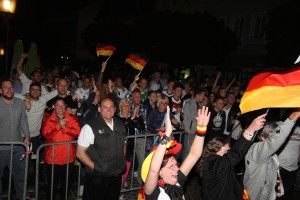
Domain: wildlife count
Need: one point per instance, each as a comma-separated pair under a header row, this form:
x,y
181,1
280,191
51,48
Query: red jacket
x,y
53,133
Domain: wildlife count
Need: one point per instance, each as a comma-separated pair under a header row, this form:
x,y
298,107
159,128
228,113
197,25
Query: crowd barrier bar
x,y
26,148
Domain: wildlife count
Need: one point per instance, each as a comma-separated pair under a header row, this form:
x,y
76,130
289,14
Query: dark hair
x,y
196,91
165,160
229,93
33,72
136,90
6,80
217,97
177,85
59,99
171,80
35,84
151,92
211,148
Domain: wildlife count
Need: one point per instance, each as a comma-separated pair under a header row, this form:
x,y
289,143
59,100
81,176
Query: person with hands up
x,y
163,178
216,166
262,176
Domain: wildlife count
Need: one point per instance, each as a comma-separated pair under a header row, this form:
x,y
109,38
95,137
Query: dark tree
x,y
167,37
283,33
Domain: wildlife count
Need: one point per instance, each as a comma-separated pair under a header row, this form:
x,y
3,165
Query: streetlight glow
x,y
7,9
8,6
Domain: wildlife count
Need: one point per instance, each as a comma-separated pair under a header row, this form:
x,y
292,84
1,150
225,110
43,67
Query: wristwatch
x,y
164,140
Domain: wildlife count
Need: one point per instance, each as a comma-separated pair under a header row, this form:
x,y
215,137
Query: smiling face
x,y
35,92
60,107
169,172
107,109
125,108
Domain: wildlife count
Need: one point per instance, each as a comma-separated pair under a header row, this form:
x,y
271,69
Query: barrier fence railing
x,y
12,147
132,183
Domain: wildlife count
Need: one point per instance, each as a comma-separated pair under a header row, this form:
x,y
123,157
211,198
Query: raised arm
x,y
198,143
101,74
219,74
230,84
20,64
157,159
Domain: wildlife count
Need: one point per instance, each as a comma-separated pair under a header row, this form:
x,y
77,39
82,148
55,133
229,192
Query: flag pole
x,y
143,67
255,133
107,59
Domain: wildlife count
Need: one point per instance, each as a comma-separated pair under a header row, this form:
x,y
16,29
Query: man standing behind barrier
x,y
60,126
13,123
101,149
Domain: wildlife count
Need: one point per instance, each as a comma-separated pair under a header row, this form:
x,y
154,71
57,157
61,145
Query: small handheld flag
x,y
136,61
105,50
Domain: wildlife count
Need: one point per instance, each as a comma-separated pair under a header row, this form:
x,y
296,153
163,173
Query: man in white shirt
x,y
36,76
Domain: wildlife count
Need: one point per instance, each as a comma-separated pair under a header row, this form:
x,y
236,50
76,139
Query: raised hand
x,y
203,117
168,123
257,123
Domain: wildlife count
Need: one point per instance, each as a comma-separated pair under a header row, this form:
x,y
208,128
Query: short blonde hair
x,y
162,98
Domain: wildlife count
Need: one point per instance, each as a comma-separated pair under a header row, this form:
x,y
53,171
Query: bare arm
x,y
83,157
20,64
100,77
157,159
230,84
219,74
198,143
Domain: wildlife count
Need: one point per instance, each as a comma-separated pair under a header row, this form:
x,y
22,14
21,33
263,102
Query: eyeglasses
x,y
173,166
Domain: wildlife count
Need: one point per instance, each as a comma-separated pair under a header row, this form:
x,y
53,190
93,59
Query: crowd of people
x,y
99,111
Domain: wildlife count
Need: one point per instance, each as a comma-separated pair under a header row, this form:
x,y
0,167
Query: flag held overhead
x,y
105,50
272,90
136,61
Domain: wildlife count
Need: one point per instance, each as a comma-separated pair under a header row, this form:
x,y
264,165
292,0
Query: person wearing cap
x,y
160,172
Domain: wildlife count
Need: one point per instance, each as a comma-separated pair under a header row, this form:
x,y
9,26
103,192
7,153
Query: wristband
x,y
247,133
164,140
201,131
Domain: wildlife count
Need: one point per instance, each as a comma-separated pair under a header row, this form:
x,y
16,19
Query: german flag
x,y
272,90
136,61
105,50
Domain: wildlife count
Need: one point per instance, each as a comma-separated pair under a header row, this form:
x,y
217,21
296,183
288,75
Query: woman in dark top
x,y
155,120
150,102
219,180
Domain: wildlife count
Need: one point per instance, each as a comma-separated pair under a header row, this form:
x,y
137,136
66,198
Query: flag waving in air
x,y
272,90
136,61
105,50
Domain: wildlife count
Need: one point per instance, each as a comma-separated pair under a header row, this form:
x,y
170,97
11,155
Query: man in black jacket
x,y
101,149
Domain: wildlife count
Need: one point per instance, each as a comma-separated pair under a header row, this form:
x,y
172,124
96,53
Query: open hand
x,y
203,117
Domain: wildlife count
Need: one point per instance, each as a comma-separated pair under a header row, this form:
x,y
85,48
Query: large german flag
x,y
272,90
105,50
136,61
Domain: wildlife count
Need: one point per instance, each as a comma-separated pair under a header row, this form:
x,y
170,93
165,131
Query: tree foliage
x,y
167,37
283,31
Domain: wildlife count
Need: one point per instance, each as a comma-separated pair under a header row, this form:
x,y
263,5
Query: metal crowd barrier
x,y
26,148
38,162
132,184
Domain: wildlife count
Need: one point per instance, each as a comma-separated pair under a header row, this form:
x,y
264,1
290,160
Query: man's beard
x,y
7,97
